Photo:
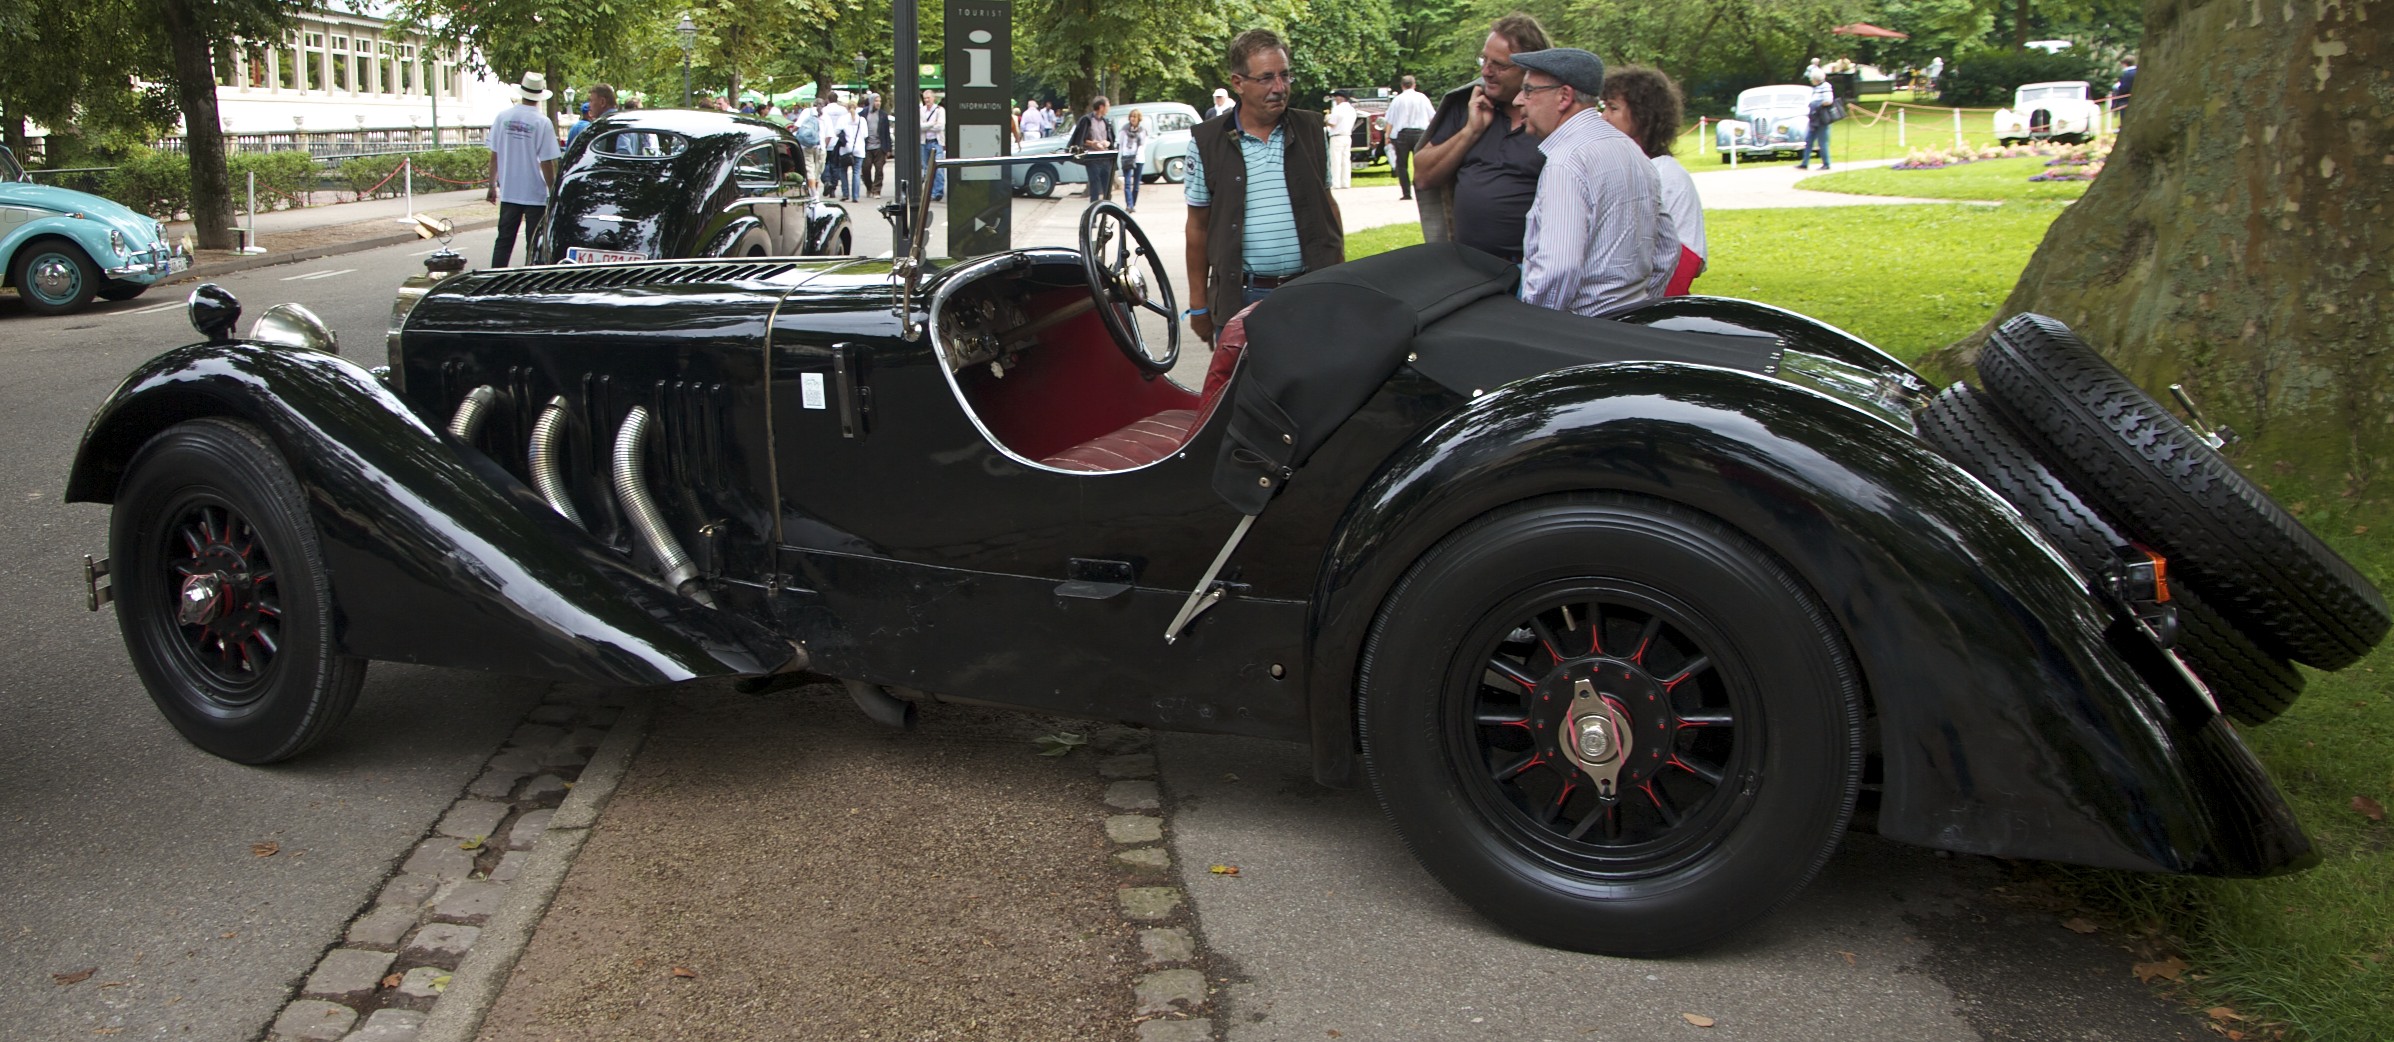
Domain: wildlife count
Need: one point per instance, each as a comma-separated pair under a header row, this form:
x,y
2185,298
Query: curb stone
x,y
1172,998
410,930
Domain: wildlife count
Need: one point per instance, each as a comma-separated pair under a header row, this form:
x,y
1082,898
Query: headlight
x,y
293,325
116,241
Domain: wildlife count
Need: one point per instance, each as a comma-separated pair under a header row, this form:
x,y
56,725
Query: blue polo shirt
x,y
1268,244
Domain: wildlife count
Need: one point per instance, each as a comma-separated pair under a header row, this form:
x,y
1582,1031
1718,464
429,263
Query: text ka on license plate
x,y
579,255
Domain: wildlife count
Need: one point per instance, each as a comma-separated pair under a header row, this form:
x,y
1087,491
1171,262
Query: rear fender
x,y
721,241
2010,722
824,223
436,554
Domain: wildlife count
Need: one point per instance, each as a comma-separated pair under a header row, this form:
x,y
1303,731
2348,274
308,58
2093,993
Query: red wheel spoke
x,y
1670,814
1706,719
1514,769
1708,772
1512,674
1554,807
1499,718
1646,640
1694,666
1546,637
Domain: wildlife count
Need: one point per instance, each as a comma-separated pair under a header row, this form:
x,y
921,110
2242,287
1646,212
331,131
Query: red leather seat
x,y
1137,445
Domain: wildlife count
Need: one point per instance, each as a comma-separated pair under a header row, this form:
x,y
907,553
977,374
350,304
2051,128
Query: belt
x,y
1270,281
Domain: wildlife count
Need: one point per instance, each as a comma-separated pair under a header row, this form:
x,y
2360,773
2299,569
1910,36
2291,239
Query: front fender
x,y
2011,719
89,236
435,553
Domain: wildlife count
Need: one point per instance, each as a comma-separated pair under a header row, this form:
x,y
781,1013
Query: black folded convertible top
x,y
1319,347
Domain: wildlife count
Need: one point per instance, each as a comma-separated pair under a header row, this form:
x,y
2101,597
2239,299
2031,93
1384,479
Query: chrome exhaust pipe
x,y
547,469
467,423
882,706
631,457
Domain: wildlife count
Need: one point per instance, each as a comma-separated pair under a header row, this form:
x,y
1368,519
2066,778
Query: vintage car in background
x,y
1368,143
2062,111
656,184
1166,157
1628,620
59,247
1770,122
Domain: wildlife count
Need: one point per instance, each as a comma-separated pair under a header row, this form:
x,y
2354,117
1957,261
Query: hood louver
x,y
575,278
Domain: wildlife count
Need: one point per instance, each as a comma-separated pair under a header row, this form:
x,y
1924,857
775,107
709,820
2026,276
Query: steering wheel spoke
x,y
1112,251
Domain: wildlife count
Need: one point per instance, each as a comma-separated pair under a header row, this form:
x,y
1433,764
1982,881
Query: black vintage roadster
x,y
1626,620
661,183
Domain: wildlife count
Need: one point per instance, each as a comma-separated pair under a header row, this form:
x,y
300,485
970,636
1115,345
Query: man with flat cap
x,y
1598,238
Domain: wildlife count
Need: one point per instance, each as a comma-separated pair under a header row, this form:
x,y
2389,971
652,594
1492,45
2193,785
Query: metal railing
x,y
335,145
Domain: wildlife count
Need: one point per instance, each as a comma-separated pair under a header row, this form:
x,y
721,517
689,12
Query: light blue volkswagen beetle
x,y
61,247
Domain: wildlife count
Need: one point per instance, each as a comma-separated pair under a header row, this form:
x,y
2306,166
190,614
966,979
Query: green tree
x,y
1341,43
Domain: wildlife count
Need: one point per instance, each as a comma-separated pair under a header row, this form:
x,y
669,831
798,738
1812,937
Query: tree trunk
x,y
203,133
12,134
2238,240
2020,25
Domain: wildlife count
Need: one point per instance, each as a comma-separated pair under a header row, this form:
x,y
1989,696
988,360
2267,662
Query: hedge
x,y
1987,78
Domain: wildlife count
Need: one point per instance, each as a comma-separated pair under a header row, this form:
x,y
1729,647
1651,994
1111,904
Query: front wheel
x,y
222,595
53,277
1611,724
1040,183
1176,169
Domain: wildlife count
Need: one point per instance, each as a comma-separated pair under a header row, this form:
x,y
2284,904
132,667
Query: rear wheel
x,y
1176,169
1611,724
1040,183
222,595
2131,458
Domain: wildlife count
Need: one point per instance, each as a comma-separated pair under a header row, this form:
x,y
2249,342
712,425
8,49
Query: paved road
x,y
121,847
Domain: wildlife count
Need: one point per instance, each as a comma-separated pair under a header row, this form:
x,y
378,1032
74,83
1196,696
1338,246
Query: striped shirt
x,y
1597,237
1268,244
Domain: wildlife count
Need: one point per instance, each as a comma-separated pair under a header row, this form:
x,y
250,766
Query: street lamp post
x,y
861,86
688,31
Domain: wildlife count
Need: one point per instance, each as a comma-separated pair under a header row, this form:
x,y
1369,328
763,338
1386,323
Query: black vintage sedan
x,y
664,183
1627,620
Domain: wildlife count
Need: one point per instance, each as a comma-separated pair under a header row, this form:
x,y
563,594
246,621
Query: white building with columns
x,y
335,70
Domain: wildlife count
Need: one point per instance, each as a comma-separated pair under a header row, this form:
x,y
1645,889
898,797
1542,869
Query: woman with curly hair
x,y
1645,104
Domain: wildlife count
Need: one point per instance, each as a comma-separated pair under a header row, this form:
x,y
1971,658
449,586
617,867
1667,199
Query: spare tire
x,y
2251,685
2135,462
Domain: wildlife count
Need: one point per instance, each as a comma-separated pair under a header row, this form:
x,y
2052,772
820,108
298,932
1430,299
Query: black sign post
x,y
980,102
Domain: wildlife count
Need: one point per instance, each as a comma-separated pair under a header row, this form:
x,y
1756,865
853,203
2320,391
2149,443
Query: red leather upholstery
x,y
1137,445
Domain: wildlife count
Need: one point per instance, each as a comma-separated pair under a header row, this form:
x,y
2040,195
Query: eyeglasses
x,y
1529,89
1268,77
1497,66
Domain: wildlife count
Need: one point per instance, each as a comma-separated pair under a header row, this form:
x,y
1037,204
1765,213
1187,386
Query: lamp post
x,y
688,31
861,86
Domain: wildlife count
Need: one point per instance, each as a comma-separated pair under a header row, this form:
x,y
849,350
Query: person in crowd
x,y
1095,133
1936,71
837,146
523,165
1408,116
1596,239
1813,68
1134,142
875,118
852,170
1260,208
935,137
1221,103
1047,119
1480,151
808,129
1646,105
1844,63
1816,135
1339,125
602,102
1026,122
2124,86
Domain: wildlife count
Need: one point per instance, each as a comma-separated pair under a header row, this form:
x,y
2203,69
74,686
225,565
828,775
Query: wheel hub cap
x,y
1609,719
53,276
202,599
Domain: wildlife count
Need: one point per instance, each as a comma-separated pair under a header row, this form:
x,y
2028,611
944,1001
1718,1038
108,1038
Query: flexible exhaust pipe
x,y
880,705
548,475
631,457
467,423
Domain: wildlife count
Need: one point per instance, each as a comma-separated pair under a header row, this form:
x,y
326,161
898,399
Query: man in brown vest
x,y
1260,211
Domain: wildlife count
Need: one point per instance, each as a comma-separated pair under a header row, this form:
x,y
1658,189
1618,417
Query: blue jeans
x,y
939,182
1130,185
1815,139
853,176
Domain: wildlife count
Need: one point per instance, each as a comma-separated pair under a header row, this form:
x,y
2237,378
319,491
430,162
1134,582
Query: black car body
x,y
1369,533
656,184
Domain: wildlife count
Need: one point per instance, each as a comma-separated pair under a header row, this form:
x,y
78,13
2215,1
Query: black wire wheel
x,y
1611,724
222,596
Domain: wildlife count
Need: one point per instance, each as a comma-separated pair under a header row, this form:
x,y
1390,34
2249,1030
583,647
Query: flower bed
x,y
2068,163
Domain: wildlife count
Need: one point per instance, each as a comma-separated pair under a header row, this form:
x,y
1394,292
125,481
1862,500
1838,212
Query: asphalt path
x,y
123,849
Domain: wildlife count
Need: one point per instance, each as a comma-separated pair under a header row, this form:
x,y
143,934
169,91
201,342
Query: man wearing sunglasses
x,y
1597,238
1260,211
1478,167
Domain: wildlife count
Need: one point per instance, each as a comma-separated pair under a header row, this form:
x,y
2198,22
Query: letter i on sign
x,y
980,59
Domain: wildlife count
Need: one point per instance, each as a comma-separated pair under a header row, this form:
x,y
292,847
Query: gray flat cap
x,y
1584,72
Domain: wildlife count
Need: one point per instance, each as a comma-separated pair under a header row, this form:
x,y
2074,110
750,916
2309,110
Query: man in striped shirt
x,y
1598,238
1260,210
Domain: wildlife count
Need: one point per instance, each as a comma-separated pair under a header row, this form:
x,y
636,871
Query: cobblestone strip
x,y
1174,999
425,949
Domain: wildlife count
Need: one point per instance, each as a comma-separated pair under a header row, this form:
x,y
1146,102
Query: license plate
x,y
579,255
180,262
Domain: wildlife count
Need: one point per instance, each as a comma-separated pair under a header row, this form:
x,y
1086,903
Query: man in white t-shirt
x,y
523,166
1408,119
1339,124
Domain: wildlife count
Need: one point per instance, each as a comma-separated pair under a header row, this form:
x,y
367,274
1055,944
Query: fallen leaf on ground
x,y
74,976
2369,808
267,849
1061,742
1333,1033
2222,1013
684,971
1849,957
2078,924
440,983
472,844
228,935
2167,969
1224,870
393,980
116,983
1698,1019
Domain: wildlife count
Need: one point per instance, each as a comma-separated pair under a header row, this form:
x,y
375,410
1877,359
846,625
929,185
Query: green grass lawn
x,y
2311,952
1993,179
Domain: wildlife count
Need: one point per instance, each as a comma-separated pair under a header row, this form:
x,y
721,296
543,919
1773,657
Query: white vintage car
x,y
1771,121
2061,110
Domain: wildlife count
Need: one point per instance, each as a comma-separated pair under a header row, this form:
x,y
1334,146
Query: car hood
x,y
67,200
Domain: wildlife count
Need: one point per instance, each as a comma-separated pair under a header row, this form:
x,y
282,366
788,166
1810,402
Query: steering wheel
x,y
1122,290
